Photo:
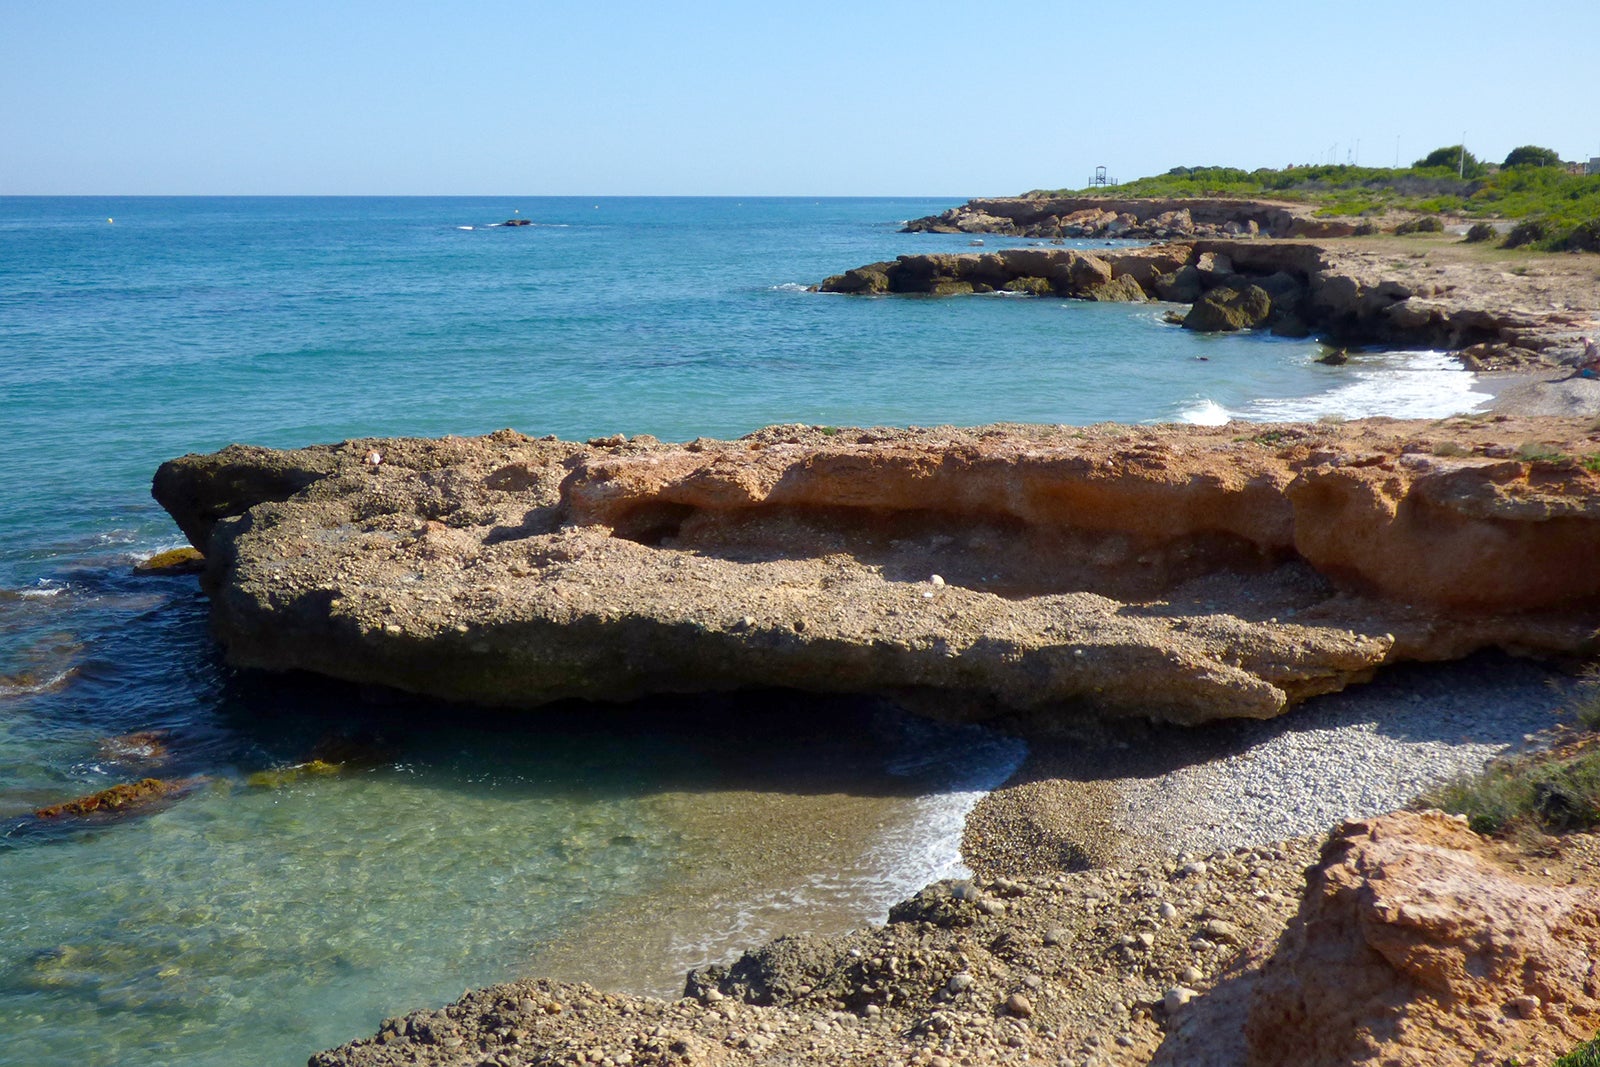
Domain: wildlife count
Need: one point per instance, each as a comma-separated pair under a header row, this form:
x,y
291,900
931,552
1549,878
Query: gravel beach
x,y
1160,793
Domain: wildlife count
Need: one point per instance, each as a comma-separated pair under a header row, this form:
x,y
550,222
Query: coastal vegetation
x,y
1554,791
1557,207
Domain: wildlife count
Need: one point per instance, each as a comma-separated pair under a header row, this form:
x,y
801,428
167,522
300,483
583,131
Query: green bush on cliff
x,y
1550,791
1585,1055
1531,155
1567,205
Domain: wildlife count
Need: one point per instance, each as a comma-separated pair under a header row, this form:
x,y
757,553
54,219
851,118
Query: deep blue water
x,y
136,329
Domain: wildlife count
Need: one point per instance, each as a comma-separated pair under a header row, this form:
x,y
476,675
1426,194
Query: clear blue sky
x,y
402,97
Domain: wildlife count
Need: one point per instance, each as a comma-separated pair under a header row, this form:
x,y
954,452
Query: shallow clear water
x,y
254,922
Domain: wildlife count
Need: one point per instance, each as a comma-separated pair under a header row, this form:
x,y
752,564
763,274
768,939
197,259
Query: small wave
x,y
1401,385
40,590
1205,413
789,287
26,684
466,227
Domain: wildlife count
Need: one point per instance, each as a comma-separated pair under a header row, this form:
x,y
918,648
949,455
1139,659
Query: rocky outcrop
x,y
1416,943
1184,573
1348,295
1151,219
1039,271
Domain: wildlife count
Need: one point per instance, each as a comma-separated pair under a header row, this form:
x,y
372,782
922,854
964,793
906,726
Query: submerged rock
x,y
1183,573
124,799
184,560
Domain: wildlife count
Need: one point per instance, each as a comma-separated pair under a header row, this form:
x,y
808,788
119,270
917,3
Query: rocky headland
x,y
1060,217
1402,292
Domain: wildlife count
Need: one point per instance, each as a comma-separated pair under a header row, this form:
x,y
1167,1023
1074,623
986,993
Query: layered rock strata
x,y
1179,573
1417,942
1294,288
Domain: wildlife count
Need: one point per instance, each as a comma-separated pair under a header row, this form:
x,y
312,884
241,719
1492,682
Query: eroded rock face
x,y
1183,573
1415,945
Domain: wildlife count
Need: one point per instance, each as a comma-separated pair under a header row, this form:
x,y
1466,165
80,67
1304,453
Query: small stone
x,y
1020,1006
1525,1006
1146,938
1191,974
1167,910
1193,870
936,581
1222,931
1056,935
959,982
1177,997
990,906
1125,1040
527,1006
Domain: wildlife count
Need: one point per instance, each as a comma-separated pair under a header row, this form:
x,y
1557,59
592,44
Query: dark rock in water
x,y
1031,285
124,799
1224,310
517,222
1182,286
1337,358
1124,289
145,746
184,560
943,904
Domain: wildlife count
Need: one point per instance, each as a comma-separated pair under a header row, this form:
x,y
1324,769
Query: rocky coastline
x,y
1073,217
1059,582
1389,291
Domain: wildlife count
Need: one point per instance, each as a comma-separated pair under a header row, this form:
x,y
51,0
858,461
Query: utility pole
x,y
1461,171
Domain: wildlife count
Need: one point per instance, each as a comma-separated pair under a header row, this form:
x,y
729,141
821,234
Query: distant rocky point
x,y
1151,219
1346,294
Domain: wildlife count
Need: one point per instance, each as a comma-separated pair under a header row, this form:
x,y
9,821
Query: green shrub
x,y
1425,224
1530,155
1584,237
1585,1055
1480,231
1453,157
1538,452
1532,231
1552,793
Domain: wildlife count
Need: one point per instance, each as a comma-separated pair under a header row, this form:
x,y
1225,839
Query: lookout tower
x,y
1100,178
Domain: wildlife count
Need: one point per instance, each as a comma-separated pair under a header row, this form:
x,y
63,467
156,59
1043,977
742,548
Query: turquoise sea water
x,y
246,923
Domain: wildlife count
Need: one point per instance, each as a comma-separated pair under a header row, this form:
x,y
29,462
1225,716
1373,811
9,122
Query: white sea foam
x,y
789,287
43,588
1205,412
1402,385
922,847
17,688
466,227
